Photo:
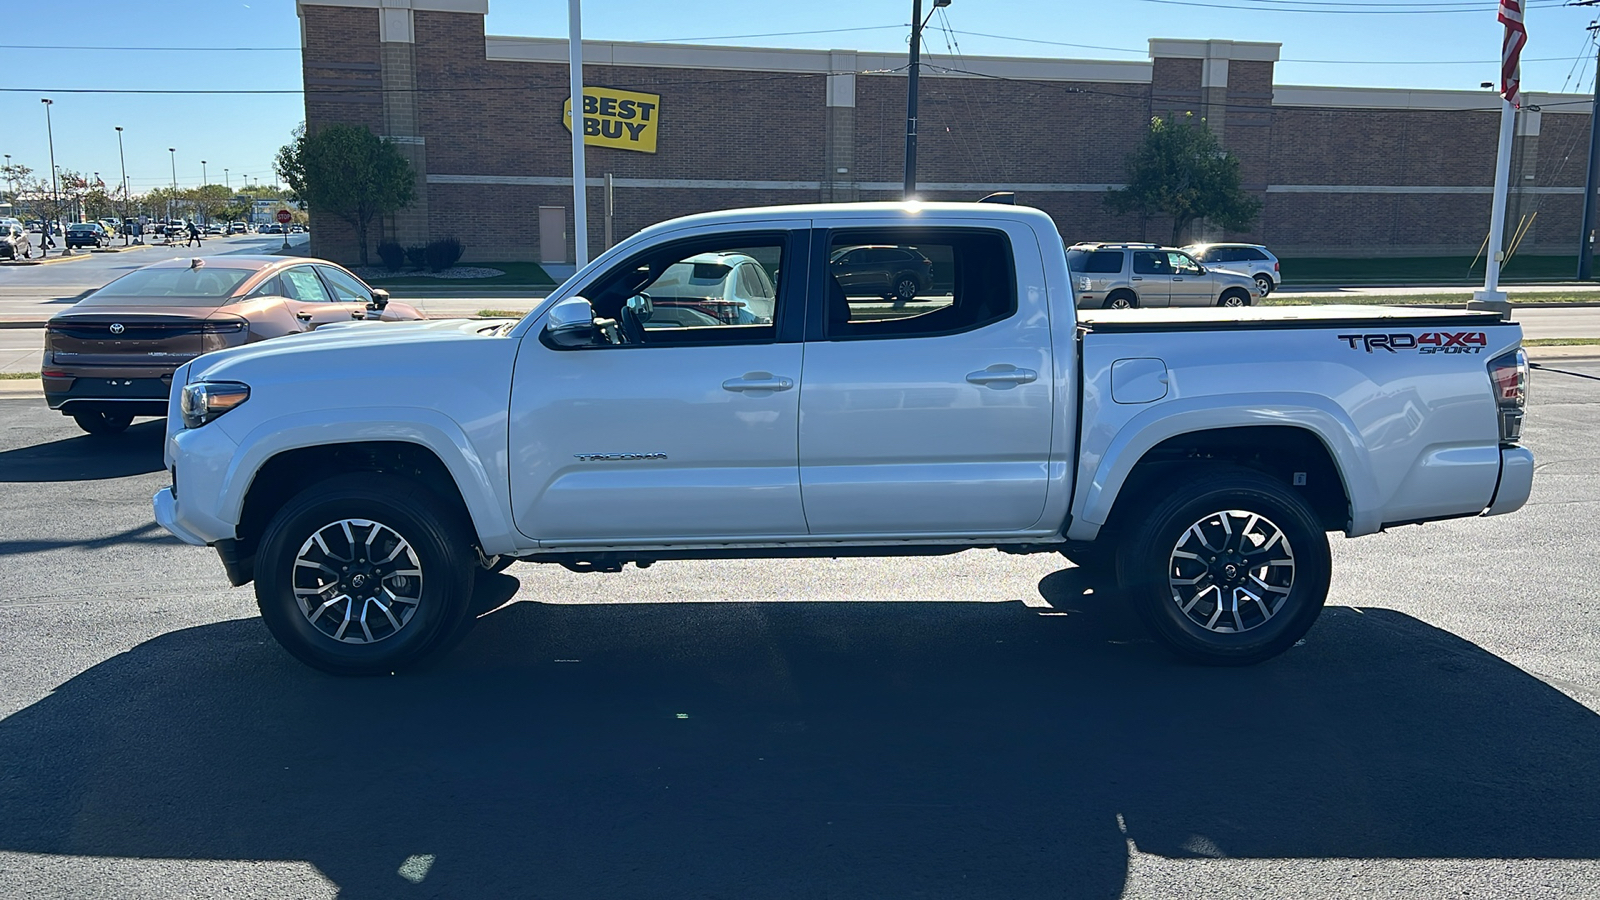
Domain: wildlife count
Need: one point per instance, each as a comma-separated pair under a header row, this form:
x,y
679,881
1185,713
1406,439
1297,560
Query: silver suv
x,y
1120,276
1246,259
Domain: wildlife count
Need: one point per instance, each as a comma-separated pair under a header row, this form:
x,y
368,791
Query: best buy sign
x,y
621,119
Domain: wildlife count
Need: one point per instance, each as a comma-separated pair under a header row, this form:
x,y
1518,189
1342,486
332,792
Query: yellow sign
x,y
613,118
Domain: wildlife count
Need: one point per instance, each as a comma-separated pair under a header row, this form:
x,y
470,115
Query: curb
x,y
44,261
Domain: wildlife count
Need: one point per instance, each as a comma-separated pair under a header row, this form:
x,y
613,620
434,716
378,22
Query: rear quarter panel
x,y
1413,434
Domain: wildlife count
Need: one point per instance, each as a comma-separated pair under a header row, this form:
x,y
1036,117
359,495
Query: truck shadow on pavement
x,y
815,749
85,457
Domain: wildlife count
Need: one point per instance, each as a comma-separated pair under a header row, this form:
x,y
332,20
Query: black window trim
x,y
792,283
816,323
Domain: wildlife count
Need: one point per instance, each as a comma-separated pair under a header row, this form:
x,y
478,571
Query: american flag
x,y
1511,51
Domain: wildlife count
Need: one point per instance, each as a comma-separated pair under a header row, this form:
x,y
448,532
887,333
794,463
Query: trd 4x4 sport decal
x,y
1426,342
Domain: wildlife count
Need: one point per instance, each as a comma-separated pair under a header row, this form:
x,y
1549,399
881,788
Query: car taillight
x,y
1509,375
222,327
1274,265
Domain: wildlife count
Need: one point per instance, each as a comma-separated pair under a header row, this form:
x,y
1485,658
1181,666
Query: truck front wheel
x,y
1229,570
357,576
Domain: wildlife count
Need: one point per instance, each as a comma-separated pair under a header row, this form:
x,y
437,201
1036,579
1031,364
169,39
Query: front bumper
x,y
1516,481
166,507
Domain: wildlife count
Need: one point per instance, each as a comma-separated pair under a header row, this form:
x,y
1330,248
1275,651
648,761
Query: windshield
x,y
162,286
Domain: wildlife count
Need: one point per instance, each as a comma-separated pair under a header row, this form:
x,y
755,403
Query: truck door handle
x,y
1002,374
758,381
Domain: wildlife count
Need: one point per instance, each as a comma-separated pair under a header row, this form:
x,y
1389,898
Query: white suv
x,y
1253,260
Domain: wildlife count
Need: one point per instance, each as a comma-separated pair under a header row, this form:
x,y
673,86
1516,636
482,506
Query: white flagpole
x,y
1497,216
580,206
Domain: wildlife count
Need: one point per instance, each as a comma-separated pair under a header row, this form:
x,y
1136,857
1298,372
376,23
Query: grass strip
x,y
1439,299
17,376
1562,342
502,313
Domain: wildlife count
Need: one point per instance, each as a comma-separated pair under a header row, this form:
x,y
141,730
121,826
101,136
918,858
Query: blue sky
x,y
252,46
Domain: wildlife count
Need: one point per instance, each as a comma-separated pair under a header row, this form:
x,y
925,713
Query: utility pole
x,y
205,182
1592,182
174,152
917,24
123,157
580,202
55,193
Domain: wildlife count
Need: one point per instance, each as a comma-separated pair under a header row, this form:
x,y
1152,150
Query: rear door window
x,y
931,281
1150,262
345,288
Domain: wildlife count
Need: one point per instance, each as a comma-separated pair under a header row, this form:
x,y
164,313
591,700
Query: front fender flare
x,y
1102,474
481,488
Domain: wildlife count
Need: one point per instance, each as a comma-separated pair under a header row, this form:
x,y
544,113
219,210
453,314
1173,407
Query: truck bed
x,y
1216,318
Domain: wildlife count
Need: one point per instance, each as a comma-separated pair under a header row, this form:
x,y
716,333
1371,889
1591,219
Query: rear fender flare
x,y
1102,474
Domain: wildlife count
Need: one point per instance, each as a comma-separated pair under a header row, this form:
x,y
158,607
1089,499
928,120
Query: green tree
x,y
1180,170
349,172
208,201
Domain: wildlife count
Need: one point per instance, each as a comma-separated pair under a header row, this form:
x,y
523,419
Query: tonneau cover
x,y
1219,318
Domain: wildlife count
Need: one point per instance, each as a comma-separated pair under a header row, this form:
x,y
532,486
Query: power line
x,y
1345,8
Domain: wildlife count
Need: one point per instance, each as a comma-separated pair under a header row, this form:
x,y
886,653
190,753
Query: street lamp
x,y
55,193
205,214
124,158
174,152
917,24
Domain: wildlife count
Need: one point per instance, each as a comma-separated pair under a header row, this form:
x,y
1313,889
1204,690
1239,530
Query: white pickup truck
x,y
751,383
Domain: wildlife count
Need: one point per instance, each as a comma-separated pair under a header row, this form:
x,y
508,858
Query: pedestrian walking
x,y
194,235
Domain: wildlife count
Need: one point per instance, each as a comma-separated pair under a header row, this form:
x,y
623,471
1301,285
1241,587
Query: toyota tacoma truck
x,y
362,476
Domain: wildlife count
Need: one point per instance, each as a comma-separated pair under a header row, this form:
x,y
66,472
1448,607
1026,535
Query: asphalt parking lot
x,y
1000,728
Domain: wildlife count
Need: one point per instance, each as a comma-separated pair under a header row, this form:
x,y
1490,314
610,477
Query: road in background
x,y
992,726
41,291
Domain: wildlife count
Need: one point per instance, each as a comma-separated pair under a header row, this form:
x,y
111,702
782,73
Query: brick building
x,y
1340,171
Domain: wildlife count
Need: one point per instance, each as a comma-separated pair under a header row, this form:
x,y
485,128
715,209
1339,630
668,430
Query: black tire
x,y
1121,300
102,423
906,287
440,547
1151,561
1234,297
1264,284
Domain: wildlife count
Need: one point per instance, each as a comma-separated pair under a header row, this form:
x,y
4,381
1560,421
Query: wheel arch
x,y
1278,436
1132,295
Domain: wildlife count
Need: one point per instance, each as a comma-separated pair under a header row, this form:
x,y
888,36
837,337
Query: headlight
x,y
205,400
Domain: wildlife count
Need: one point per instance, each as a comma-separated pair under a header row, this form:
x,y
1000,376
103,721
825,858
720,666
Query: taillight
x,y
1274,265
221,327
1509,375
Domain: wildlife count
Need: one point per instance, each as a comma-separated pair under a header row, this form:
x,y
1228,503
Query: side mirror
x,y
380,299
570,323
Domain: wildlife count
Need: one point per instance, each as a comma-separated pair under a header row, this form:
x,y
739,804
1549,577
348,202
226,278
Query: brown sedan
x,y
111,356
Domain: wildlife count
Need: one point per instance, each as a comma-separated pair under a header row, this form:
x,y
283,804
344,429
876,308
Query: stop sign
x,y
283,216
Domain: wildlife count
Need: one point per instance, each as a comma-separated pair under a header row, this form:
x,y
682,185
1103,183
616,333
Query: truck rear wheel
x,y
1230,569
357,577
103,423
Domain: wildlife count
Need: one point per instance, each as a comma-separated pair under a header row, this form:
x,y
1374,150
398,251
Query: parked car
x,y
1253,260
111,356
238,228
1192,459
14,241
111,227
271,228
710,289
899,273
87,234
1123,276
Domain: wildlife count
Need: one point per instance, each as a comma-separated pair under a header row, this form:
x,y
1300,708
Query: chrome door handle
x,y
1137,278
1002,374
758,381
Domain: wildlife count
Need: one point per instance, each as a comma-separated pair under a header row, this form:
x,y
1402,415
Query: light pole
x,y
205,182
917,23
123,157
174,152
55,193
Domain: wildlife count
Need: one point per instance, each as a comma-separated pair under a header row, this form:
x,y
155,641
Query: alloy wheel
x,y
1231,571
357,581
